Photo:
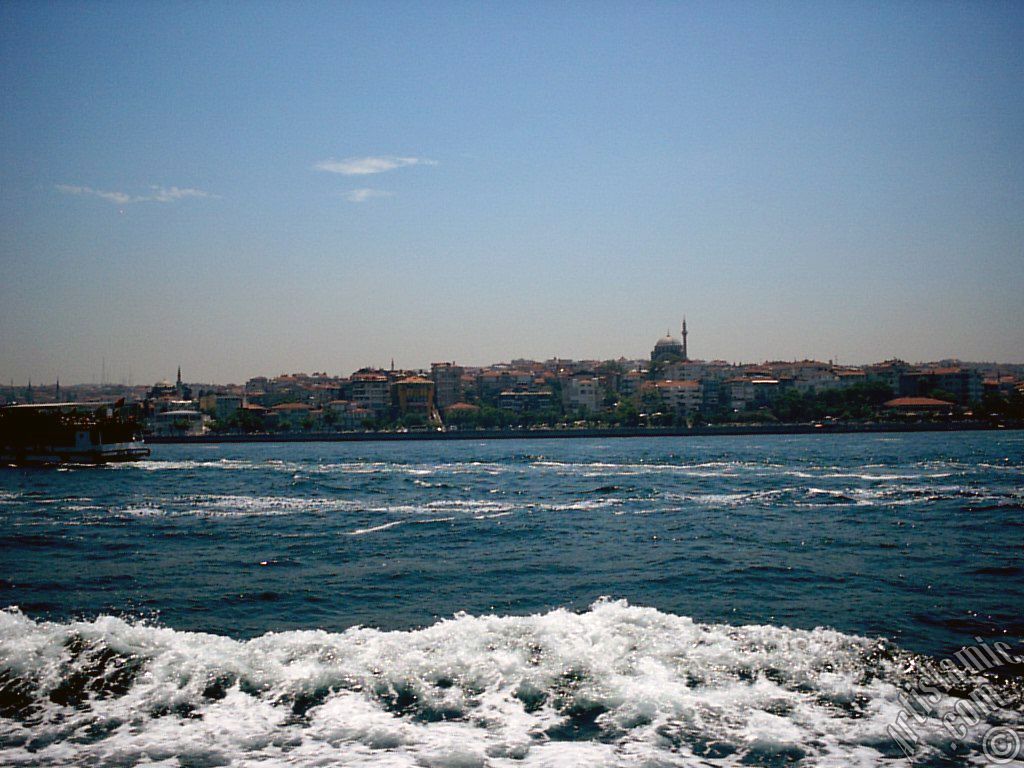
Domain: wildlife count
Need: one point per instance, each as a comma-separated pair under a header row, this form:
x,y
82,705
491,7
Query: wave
x,y
617,685
230,506
393,523
236,505
616,498
154,465
365,473
318,467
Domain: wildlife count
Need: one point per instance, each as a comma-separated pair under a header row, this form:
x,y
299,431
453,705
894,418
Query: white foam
x,y
704,469
375,528
393,523
236,505
729,499
154,465
617,685
585,505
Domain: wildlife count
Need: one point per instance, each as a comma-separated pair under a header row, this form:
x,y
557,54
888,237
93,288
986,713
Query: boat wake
x,y
617,685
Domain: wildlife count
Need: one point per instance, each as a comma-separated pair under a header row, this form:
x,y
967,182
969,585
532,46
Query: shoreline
x,y
594,432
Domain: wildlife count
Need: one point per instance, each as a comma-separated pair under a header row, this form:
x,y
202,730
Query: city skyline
x,y
257,189
110,377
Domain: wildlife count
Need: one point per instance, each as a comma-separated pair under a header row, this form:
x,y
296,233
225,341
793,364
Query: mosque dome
x,y
668,348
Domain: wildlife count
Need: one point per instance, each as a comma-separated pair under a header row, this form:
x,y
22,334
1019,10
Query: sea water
x,y
760,600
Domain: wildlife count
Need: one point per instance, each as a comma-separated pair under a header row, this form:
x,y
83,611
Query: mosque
x,y
670,349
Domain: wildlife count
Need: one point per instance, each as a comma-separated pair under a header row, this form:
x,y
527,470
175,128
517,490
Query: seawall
x,y
610,432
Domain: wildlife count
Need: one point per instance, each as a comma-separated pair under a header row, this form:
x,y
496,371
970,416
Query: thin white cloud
x,y
364,194
364,166
115,197
158,194
170,194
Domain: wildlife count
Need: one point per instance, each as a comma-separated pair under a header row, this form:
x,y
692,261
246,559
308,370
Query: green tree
x,y
246,421
626,414
462,418
941,394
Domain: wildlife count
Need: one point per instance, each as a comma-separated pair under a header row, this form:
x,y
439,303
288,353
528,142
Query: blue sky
x,y
254,188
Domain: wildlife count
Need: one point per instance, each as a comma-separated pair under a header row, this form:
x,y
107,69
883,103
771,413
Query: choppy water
x,y
204,607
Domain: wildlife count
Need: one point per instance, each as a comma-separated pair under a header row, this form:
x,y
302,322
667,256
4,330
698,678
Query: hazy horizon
x,y
253,189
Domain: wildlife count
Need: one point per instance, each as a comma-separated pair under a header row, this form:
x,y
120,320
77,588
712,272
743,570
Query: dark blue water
x,y
918,538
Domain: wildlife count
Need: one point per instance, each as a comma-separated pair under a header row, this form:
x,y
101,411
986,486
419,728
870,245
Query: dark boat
x,y
70,433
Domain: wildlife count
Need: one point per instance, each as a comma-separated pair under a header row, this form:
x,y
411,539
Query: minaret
x,y
684,338
180,390
56,392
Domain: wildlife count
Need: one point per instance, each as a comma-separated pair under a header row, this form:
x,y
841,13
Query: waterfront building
x,y
179,422
765,391
739,393
292,414
582,392
521,401
371,390
964,384
489,384
221,405
809,380
887,372
1000,384
226,405
849,377
693,370
492,382
683,397
414,395
629,382
711,392
806,375
344,414
447,379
